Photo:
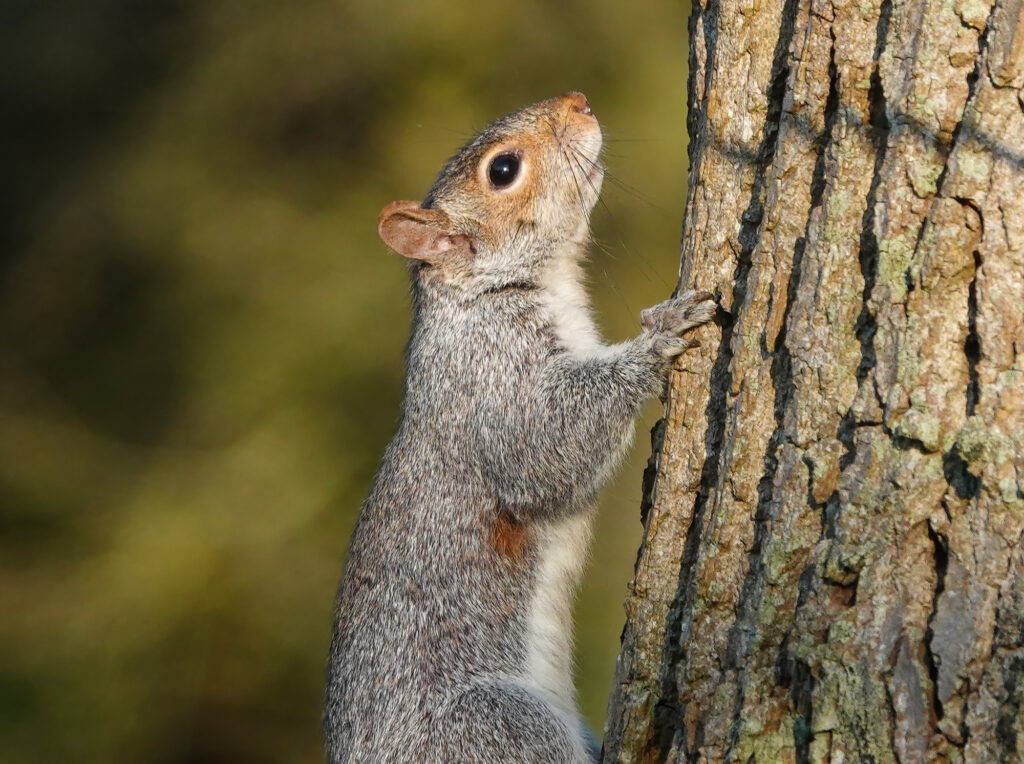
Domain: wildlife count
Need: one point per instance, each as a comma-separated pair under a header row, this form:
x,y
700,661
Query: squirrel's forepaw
x,y
680,314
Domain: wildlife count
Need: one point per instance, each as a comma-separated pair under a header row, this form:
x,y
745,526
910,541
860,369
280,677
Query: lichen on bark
x,y
832,559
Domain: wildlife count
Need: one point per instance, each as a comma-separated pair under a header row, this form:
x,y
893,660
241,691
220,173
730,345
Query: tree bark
x,y
833,563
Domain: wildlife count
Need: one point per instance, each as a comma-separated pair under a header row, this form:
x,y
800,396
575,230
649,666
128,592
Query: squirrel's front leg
x,y
553,453
663,337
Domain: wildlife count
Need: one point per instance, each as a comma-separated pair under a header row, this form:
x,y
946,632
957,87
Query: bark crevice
x,y
972,343
940,556
867,254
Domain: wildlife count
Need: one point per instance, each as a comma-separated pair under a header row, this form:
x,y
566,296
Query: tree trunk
x,y
833,563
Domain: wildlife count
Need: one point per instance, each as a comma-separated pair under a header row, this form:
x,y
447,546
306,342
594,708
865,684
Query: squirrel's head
x,y
518,193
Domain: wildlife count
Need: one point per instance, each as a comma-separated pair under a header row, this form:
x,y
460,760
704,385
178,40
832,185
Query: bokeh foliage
x,y
202,336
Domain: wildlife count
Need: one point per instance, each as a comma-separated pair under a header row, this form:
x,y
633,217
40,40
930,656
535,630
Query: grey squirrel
x,y
453,634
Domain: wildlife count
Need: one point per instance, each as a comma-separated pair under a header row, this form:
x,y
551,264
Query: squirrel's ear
x,y
421,234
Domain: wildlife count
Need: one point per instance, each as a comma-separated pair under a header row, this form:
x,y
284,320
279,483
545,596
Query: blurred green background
x,y
202,336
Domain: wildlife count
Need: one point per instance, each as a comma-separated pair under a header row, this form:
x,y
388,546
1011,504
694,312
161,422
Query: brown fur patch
x,y
509,537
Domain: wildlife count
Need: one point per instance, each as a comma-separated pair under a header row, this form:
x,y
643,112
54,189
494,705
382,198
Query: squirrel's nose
x,y
578,102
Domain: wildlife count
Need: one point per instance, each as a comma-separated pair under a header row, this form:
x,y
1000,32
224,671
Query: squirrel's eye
x,y
503,170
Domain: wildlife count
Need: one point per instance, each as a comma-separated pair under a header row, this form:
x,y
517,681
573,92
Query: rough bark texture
x,y
833,561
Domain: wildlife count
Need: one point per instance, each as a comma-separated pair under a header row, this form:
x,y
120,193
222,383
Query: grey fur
x,y
510,425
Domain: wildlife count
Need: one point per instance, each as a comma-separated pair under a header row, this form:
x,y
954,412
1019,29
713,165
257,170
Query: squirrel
x,y
453,631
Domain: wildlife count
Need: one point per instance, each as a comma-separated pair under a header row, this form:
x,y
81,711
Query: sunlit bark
x,y
833,564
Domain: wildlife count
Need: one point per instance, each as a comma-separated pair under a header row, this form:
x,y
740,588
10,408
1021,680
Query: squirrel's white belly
x,y
563,543
562,552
